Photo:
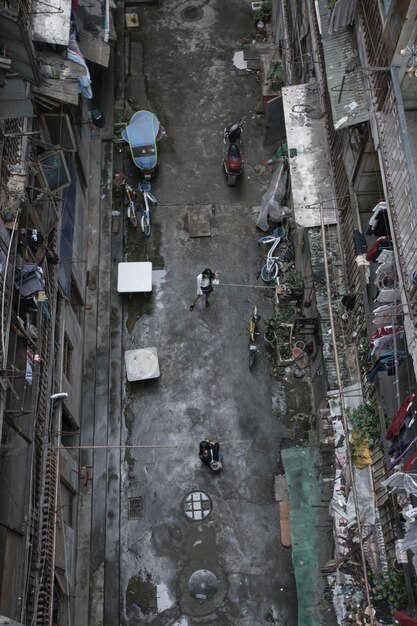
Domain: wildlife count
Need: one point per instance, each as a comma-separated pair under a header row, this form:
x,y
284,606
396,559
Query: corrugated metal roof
x,y
347,94
343,15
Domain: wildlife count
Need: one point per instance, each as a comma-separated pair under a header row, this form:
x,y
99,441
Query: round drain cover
x,y
197,505
192,14
203,584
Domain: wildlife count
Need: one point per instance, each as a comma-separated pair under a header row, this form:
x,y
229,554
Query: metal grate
x,y
135,508
197,505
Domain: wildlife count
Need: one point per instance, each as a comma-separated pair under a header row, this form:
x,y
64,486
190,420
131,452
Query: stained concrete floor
x,y
160,567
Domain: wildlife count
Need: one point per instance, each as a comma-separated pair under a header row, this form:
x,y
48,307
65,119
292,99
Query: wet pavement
x,y
142,559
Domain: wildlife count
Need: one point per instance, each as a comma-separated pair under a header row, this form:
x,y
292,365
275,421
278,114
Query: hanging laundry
x,y
379,224
385,338
398,442
387,362
410,462
359,243
386,256
386,330
387,343
385,267
401,482
397,420
386,314
388,295
382,243
404,619
399,458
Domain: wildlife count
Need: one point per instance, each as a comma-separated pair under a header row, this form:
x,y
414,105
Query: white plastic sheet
x,y
273,197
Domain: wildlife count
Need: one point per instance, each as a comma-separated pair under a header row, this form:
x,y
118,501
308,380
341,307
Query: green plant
x,y
276,71
293,279
364,419
264,12
285,351
272,323
391,587
14,200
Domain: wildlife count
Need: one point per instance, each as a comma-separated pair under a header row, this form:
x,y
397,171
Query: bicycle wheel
x,y
286,256
145,223
269,272
131,213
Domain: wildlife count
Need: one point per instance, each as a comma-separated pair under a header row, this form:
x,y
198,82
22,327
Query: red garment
x,y
404,619
409,464
386,330
374,249
397,421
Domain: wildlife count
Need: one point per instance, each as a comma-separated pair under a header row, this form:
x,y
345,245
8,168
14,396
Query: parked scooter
x,y
142,135
233,151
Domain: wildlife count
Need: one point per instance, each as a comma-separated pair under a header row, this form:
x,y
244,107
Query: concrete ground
x,y
145,561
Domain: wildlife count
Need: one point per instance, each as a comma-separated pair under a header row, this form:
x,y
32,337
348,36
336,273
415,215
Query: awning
x,y
343,15
94,31
51,21
14,102
347,94
60,77
309,162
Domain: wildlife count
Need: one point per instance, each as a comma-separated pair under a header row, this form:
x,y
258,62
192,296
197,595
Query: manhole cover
x,y
192,14
197,505
203,584
135,508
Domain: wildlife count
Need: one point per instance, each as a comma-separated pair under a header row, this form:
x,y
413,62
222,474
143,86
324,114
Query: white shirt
x,y
204,282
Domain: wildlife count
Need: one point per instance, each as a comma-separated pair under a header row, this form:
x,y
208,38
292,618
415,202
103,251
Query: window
x,y
58,131
53,171
67,504
67,359
75,299
70,432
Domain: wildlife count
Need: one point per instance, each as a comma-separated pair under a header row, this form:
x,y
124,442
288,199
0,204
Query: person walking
x,y
205,282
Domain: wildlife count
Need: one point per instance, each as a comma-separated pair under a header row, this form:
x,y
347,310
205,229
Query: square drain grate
x,y
135,508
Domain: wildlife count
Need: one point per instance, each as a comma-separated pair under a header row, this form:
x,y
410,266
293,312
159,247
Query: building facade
x,y
48,114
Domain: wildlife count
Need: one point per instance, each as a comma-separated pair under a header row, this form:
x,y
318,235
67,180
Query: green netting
x,y
301,470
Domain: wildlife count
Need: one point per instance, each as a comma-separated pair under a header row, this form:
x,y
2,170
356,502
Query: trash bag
x,y
272,199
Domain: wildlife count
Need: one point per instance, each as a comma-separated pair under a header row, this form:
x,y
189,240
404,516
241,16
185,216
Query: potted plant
x,y
293,280
12,202
271,326
263,14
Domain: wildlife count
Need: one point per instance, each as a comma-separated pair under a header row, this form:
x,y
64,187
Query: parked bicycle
x,y
276,257
129,196
253,333
148,199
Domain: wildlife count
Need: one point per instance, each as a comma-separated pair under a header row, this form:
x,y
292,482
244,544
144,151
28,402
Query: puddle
x,y
142,593
162,598
158,278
